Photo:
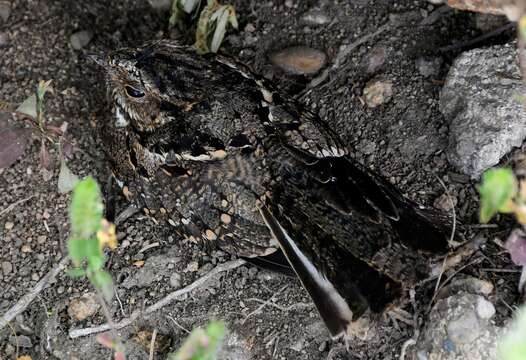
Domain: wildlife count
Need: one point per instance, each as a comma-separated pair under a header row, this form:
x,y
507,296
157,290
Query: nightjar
x,y
215,150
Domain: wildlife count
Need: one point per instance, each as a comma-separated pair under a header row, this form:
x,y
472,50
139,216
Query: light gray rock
x,y
155,269
160,5
454,331
7,267
5,11
80,39
4,39
479,99
485,309
315,17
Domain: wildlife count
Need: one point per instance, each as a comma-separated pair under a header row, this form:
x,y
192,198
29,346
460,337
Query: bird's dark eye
x,y
133,92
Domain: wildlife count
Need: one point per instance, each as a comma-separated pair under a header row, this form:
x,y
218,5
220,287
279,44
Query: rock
x,y
465,329
9,225
315,17
4,39
21,341
479,101
377,92
454,331
429,67
160,5
7,267
299,60
485,309
367,147
80,39
375,59
5,11
83,307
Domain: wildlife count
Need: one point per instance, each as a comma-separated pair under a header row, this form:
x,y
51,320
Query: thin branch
x,y
24,302
152,344
75,333
15,204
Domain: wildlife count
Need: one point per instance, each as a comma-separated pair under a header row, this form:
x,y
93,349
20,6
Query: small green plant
x,y
502,192
202,344
90,235
212,24
14,140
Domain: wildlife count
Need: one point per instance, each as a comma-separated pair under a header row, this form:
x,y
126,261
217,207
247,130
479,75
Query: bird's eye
x,y
133,92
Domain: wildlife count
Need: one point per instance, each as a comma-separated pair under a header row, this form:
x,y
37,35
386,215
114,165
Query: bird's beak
x,y
99,59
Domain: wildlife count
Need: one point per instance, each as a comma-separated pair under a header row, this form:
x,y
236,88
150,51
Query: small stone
x,y
485,309
210,235
26,248
225,218
9,225
5,10
289,3
192,266
83,307
375,59
21,341
429,67
367,147
3,39
80,39
464,329
445,202
377,92
160,5
299,60
315,17
250,27
175,280
7,267
41,239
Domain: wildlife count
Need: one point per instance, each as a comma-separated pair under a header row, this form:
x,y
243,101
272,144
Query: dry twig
x,y
75,333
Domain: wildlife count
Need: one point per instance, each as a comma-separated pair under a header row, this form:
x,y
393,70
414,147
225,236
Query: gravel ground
x,y
403,139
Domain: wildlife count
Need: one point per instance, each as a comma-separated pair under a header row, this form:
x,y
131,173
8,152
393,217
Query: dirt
x,y
403,140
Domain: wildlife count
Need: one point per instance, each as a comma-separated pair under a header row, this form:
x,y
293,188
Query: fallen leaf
x,y
13,144
44,157
66,179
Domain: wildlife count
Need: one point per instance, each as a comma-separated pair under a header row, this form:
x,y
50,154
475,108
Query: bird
x,y
229,161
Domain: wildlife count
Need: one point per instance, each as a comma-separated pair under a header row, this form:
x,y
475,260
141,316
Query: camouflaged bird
x,y
214,149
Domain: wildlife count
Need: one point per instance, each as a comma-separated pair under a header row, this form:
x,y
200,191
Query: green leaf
x,y
201,344
86,209
220,29
76,272
513,346
103,281
77,249
498,187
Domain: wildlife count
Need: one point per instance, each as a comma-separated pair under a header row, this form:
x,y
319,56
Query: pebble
x,y
9,225
445,202
4,38
26,248
250,27
377,92
299,60
80,39
7,267
175,280
376,59
83,307
41,239
485,309
289,3
315,17
5,10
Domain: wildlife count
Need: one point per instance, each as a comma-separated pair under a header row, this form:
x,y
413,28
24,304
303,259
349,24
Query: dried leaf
x,y
66,179
29,107
220,30
44,157
516,246
13,144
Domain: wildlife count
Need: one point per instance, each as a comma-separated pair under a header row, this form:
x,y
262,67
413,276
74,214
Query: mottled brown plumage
x,y
212,148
